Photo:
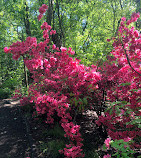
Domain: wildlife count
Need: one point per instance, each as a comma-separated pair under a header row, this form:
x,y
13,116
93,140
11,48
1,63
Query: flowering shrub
x,y
119,148
63,86
121,78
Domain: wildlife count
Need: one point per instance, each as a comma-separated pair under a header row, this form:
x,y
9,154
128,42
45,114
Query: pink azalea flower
x,y
44,6
42,10
63,49
40,17
108,40
53,46
6,49
107,142
127,139
123,19
107,156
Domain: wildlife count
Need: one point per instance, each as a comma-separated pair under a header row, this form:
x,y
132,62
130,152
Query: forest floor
x,y
14,139
22,136
50,138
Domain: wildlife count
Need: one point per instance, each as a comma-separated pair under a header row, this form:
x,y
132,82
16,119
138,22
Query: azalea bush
x,y
121,76
118,148
62,87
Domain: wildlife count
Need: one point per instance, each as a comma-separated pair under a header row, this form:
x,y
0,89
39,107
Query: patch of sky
x,y
84,22
19,28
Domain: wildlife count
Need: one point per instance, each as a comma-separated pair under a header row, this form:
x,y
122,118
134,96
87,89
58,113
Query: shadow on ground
x,y
13,139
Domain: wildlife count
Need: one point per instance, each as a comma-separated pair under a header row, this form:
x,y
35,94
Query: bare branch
x,y
128,60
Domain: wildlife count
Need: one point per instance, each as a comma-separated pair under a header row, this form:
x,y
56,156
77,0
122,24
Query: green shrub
x,y
50,148
5,93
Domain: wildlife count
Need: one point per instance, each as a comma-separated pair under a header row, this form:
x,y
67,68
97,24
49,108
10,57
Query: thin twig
x,y
128,60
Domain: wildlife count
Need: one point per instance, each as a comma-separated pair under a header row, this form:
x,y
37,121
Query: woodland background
x,y
83,25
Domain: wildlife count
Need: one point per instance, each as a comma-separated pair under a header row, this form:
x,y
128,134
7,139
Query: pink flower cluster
x,y
107,156
121,76
42,10
17,94
58,81
107,142
134,18
110,145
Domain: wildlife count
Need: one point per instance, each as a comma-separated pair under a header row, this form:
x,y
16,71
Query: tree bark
x,y
50,12
138,9
60,23
28,33
26,20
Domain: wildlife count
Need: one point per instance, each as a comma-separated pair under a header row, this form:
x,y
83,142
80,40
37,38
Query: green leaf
x,y
115,154
135,90
104,147
75,101
80,100
124,155
85,101
124,84
111,110
90,86
71,94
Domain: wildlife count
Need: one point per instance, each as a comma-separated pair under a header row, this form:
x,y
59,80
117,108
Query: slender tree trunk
x,y
50,21
26,20
26,76
114,19
60,24
138,9
28,33
50,12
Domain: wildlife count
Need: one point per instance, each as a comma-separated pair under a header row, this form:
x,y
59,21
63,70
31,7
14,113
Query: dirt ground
x,y
14,139
93,136
20,137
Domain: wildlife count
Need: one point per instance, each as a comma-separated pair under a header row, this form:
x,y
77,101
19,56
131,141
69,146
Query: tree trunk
x,y
50,12
28,33
26,20
138,9
60,24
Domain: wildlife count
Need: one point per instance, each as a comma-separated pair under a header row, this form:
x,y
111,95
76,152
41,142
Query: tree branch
x,y
128,60
91,30
60,22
